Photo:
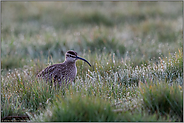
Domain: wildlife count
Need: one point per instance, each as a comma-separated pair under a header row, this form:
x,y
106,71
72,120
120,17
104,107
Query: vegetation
x,y
135,49
163,98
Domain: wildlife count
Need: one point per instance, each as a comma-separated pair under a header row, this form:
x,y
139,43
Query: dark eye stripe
x,y
70,56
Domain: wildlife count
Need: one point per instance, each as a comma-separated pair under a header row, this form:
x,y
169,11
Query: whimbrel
x,y
62,73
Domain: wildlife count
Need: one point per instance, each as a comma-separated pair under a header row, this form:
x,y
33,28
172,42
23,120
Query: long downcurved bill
x,y
83,60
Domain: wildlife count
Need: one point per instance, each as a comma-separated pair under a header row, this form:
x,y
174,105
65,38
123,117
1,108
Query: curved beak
x,y
83,60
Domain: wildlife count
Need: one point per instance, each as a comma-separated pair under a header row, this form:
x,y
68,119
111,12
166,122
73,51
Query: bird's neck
x,y
69,63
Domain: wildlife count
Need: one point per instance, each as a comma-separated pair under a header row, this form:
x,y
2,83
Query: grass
x,y
163,98
135,50
90,109
87,109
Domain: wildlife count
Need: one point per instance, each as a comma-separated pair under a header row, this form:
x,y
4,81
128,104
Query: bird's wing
x,y
50,70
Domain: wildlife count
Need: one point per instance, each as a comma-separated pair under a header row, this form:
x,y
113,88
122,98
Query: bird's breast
x,y
71,73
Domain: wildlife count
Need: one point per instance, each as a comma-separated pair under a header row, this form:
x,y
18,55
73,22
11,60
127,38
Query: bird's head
x,y
71,56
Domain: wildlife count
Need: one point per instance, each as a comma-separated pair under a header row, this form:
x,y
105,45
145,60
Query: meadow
x,y
135,49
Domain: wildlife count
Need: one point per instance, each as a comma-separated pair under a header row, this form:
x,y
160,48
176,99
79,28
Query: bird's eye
x,y
70,56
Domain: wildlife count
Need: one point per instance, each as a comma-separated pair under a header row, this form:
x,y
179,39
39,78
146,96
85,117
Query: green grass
x,y
79,108
110,82
88,109
163,98
135,49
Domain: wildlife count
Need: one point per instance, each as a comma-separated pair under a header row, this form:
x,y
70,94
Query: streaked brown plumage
x,y
64,72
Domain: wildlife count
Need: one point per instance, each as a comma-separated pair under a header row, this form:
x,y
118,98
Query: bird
x,y
62,73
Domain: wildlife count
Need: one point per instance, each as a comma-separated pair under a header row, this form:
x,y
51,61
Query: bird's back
x,y
61,73
53,73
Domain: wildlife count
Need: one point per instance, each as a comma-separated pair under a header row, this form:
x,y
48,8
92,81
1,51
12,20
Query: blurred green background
x,y
140,31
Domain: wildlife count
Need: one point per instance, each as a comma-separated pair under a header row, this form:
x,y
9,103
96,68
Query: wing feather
x,y
56,72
